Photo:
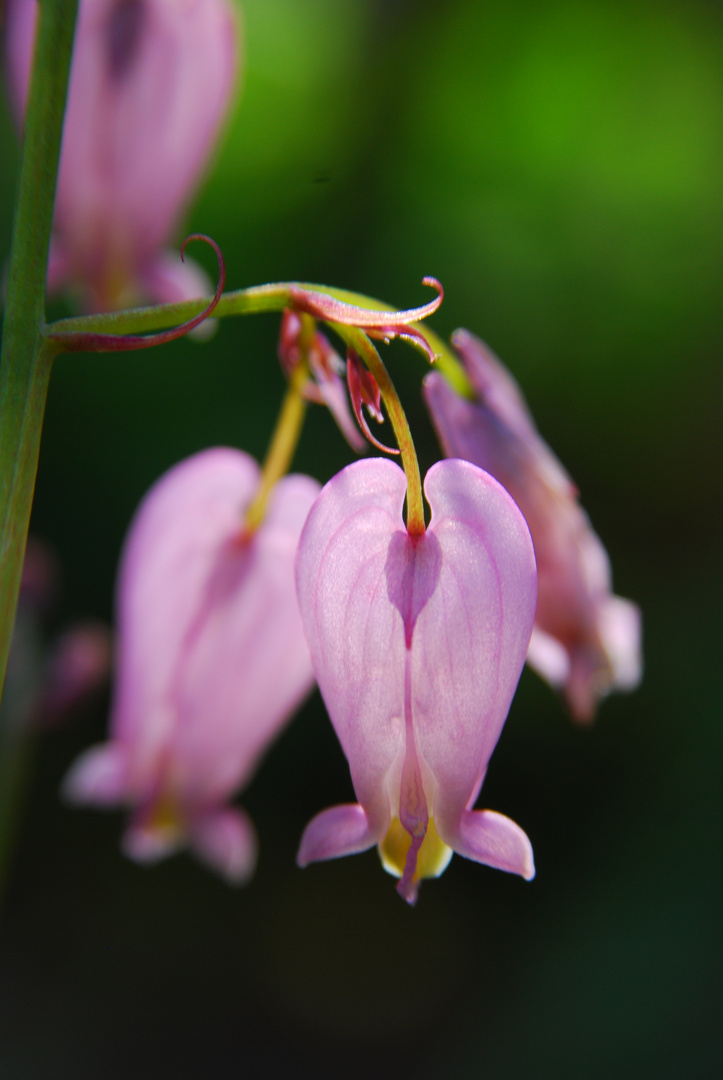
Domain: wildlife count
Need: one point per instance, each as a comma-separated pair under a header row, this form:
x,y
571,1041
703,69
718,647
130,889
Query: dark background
x,y
558,166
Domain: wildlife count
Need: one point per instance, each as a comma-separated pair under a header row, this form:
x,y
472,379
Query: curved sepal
x,y
338,831
225,840
99,777
495,840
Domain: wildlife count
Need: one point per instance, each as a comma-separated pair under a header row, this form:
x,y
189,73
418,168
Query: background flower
x,y
586,641
211,664
151,83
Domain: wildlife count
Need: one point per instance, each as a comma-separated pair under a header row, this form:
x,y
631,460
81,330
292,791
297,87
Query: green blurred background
x,y
558,166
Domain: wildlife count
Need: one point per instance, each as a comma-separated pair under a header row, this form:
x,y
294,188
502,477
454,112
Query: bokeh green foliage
x,y
557,165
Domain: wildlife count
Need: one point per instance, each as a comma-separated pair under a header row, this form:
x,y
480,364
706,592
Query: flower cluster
x,y
415,636
240,586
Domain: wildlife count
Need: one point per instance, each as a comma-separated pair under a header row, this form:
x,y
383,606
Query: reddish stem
x,y
70,341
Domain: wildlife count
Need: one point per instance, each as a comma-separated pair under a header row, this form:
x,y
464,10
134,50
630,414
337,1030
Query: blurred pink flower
x,y
48,683
77,666
150,85
211,661
417,644
585,641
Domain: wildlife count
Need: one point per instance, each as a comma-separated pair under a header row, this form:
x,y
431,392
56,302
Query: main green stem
x,y
26,358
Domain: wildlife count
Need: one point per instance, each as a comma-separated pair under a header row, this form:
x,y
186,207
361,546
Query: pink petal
x,y
620,625
179,528
139,128
212,659
340,830
226,840
147,842
548,658
574,595
229,659
99,776
474,631
339,574
496,841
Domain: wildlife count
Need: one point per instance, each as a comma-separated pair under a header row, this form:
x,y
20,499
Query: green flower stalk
x,y
26,357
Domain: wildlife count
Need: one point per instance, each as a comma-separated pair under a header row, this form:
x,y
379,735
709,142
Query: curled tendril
x,y
389,323
80,341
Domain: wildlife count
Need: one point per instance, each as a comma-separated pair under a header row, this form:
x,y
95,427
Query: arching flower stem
x,y
277,297
284,439
255,301
366,350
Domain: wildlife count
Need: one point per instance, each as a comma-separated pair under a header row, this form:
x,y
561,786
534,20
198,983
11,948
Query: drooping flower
x,y
417,644
150,85
211,660
586,641
326,386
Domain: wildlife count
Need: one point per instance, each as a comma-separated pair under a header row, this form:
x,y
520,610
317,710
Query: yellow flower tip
x,y
164,820
433,857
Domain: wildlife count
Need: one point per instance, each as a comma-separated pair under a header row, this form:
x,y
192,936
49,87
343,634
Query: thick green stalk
x,y
397,418
282,446
26,360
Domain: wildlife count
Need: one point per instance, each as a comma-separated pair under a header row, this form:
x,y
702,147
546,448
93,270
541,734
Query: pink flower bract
x,y
585,640
417,645
211,660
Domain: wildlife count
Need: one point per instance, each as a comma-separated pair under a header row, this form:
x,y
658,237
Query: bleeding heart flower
x,y
585,640
417,644
150,85
211,663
